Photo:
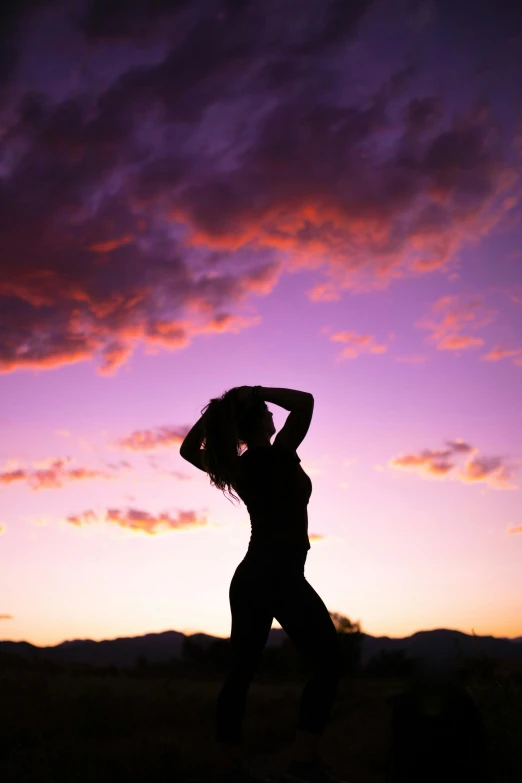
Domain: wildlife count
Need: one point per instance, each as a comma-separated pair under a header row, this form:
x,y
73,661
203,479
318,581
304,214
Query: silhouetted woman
x,y
269,582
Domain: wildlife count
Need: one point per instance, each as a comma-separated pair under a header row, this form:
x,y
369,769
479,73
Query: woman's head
x,y
229,425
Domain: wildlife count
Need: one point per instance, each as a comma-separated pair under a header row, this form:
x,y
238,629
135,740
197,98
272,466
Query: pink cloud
x,y
457,342
453,314
357,344
148,440
498,352
442,463
141,521
178,474
429,461
324,292
413,359
488,470
54,476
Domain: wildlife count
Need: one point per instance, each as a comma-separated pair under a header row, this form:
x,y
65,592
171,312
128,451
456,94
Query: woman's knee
x,y
330,661
337,662
242,671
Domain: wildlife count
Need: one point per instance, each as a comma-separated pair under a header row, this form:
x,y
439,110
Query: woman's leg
x,y
251,622
305,618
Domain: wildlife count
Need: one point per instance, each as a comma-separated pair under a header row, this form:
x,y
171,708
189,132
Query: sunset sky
x,y
323,196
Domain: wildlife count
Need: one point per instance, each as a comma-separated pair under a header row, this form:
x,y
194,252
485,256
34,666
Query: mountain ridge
x,y
439,644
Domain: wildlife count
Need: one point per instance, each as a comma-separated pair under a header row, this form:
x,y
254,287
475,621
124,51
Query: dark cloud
x,y
149,207
333,23
13,15
421,114
115,20
460,446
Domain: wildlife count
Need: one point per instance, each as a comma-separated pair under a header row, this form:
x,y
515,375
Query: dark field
x,y
61,724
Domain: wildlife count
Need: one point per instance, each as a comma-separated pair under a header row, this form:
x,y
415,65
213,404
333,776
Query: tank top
x,y
276,490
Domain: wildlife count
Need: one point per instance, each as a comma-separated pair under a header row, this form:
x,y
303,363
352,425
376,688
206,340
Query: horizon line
x,y
204,633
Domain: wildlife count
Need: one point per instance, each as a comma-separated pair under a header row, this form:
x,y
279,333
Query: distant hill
x,y
436,645
441,645
124,651
156,647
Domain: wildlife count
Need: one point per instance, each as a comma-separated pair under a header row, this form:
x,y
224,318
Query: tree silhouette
x,y
343,625
192,650
284,660
350,636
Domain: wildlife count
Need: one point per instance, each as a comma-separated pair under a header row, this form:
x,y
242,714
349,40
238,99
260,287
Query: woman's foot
x,y
310,772
239,773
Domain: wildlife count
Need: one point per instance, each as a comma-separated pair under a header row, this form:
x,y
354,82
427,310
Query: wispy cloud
x,y
55,473
6,617
177,474
460,446
413,359
429,461
516,529
490,470
316,537
150,439
498,472
357,344
141,521
324,292
498,353
452,318
156,463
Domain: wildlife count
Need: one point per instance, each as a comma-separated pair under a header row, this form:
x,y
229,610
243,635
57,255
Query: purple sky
x,y
315,195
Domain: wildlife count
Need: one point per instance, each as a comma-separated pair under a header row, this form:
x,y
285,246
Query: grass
x,y
68,725
499,699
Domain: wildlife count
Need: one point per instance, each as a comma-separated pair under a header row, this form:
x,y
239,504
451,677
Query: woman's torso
x,y
276,491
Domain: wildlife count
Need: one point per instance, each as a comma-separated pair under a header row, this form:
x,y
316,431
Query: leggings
x,y
263,588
